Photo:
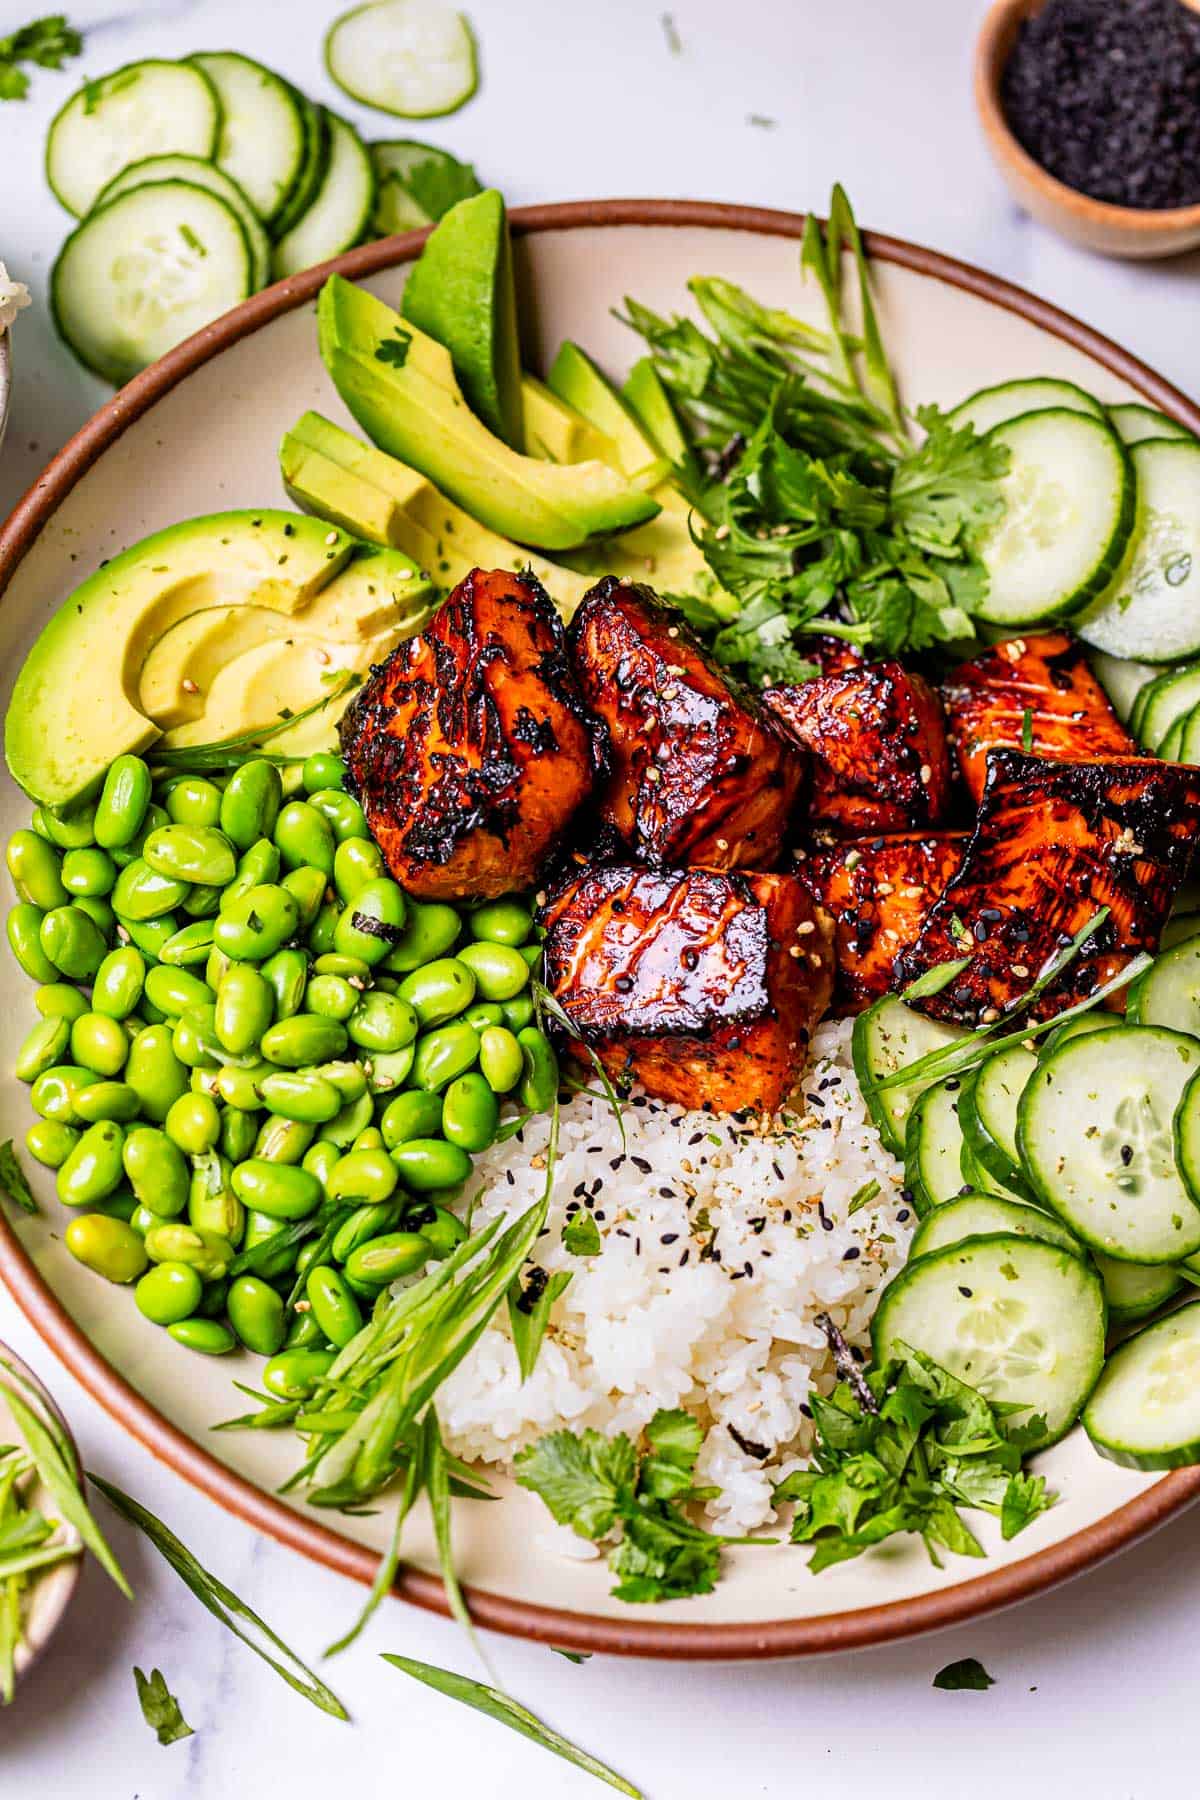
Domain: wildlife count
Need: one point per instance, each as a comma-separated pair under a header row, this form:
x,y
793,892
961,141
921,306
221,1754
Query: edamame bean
x,y
70,831
431,928
59,1000
72,942
538,1085
175,991
296,1374
123,803
354,1117
242,1088
368,1222
120,982
24,925
370,1139
303,1039
257,925
365,1175
532,955
202,903
323,929
307,888
387,1258
191,800
287,973
444,1232
356,861
382,1022
500,971
279,1189
209,1336
368,926
54,1093
121,1205
212,1204
142,893
411,1115
470,1113
251,802
259,867
189,946
283,1140
194,1124
110,1247
319,1159
428,1164
303,1095
42,1047
350,968
245,1006
256,1314
108,1100
304,836
519,1012
443,1054
239,1131
483,1014
439,991
191,853
168,1293
195,1041
100,913
322,770
157,1172
124,854
50,1142
154,1072
35,870
93,1170
91,872
99,1043
390,1069
501,922
304,1333
332,997
151,935
345,816
203,1251
500,1059
337,1311
273,1264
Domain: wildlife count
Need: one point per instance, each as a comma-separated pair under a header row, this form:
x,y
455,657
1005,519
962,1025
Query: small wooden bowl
x,y
1126,231
51,1590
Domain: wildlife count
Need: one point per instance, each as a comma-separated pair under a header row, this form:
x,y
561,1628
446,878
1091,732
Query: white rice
x,y
712,1268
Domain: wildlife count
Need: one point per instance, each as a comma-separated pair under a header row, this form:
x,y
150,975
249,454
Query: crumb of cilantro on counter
x,y
968,1673
47,43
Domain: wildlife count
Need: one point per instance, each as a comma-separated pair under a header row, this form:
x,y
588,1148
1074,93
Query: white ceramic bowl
x,y
51,1590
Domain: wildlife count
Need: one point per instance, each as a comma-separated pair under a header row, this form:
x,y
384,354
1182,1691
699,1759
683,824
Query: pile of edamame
x,y
244,1021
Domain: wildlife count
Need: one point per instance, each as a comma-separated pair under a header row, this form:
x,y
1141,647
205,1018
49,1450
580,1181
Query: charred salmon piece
x,y
877,739
1035,694
469,749
703,985
697,774
878,892
1054,842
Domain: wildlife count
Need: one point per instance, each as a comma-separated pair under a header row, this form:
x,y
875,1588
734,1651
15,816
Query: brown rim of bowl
x,y
574,1631
993,48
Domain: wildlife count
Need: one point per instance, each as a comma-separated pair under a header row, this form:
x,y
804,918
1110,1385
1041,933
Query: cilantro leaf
x,y
46,42
160,1708
969,1672
581,1235
13,1180
440,182
394,350
580,1478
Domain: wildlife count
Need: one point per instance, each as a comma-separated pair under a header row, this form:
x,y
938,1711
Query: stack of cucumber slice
x,y
1057,1184
198,182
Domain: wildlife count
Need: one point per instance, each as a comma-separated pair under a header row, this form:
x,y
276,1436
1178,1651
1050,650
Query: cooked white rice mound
x,y
720,1242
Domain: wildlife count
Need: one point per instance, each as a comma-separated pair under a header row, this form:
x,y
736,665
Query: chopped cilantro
x,y
581,1235
394,350
47,43
13,1181
969,1672
160,1708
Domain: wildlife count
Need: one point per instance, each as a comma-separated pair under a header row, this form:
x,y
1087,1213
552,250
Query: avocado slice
x,y
577,381
647,398
367,491
400,386
460,291
559,433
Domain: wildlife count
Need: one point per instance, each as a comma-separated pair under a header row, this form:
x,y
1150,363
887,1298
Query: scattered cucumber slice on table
x,y
416,184
261,143
1069,511
1135,423
145,271
887,1037
413,58
988,1110
983,1215
1095,1126
204,175
1152,610
1134,1290
1168,993
1019,1319
1145,1411
1009,399
340,210
1125,683
933,1145
151,108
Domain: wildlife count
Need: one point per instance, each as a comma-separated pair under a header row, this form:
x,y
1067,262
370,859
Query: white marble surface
x,y
1092,1682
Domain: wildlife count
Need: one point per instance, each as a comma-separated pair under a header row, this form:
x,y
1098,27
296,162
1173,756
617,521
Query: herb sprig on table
x,y
47,43
817,513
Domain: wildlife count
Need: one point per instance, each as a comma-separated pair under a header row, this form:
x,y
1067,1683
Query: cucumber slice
x,y
1069,510
341,208
1125,683
143,272
1168,993
1187,745
1018,1319
982,1181
1171,748
312,170
416,184
1135,1290
933,1147
203,175
1080,1026
983,1215
1145,1411
887,1037
989,1111
1187,1143
1178,929
995,405
1168,698
412,58
1095,1127
1133,424
262,140
1152,609
150,108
